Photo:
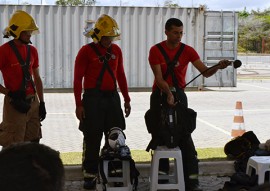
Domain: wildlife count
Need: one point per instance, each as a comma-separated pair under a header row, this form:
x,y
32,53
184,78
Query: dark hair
x,y
30,167
173,22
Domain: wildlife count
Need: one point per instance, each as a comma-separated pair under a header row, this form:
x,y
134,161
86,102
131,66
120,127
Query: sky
x,y
215,5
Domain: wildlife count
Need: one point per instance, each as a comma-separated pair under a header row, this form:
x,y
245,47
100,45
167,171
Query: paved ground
x,y
215,109
207,183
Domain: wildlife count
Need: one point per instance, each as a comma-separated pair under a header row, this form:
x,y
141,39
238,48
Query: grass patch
x,y
211,154
141,156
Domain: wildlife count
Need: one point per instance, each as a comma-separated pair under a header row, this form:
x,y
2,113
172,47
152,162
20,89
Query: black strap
x,y
25,65
201,74
171,64
134,174
101,172
104,59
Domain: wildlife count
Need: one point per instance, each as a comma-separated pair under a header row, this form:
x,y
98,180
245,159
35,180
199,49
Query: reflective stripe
x,y
89,175
238,112
193,176
238,126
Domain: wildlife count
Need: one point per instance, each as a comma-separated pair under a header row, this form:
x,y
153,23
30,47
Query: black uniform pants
x,y
102,112
189,154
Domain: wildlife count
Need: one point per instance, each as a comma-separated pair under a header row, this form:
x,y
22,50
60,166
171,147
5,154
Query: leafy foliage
x,y
171,3
254,31
244,13
75,2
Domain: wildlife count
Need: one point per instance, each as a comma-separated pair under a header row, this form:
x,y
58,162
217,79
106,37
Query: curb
x,y
219,168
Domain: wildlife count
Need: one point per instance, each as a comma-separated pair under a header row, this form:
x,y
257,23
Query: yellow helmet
x,y
20,21
104,26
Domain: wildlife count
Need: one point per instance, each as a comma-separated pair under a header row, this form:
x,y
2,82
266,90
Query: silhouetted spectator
x,y
30,167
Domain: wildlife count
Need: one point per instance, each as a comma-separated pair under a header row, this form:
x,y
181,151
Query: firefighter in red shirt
x,y
170,83
24,105
98,70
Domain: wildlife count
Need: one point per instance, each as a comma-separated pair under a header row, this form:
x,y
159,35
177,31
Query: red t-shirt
x,y
11,69
188,55
88,67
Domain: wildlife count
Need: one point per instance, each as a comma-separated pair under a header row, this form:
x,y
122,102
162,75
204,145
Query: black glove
x,y
42,111
17,94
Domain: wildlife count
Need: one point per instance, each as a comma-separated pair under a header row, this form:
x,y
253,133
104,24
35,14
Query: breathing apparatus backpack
x,y
116,149
168,125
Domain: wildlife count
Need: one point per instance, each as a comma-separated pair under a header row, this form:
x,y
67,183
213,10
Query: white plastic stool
x,y
261,164
125,179
178,175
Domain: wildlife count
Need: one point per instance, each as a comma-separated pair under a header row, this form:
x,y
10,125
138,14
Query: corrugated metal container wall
x,y
61,37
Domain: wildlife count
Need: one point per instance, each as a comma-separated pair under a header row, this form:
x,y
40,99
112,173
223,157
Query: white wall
x,y
61,37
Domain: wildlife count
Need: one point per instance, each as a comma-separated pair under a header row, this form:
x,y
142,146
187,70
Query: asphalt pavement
x,y
215,109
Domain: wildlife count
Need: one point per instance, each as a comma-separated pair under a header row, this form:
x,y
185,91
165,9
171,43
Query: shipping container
x,y
212,33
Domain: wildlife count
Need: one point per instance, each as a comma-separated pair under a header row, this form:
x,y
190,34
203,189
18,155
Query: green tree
x,y
171,3
244,13
254,31
75,2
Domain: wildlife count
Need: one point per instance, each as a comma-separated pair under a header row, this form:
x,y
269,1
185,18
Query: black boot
x,y
89,183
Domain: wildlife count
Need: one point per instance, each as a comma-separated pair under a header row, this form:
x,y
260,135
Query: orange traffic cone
x,y
238,128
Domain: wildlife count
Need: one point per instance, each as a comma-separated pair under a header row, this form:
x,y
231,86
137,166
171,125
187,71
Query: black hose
x,y
200,74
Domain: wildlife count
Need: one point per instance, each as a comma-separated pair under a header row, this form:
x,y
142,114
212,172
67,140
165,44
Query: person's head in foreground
x,y
30,167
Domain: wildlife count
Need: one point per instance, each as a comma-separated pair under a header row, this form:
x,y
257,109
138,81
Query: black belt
x,y
97,92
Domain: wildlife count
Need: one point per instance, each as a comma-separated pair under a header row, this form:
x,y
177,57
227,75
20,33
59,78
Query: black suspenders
x,y
103,59
24,64
171,64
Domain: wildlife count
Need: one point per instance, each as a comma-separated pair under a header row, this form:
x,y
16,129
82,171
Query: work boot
x,y
89,183
193,188
193,183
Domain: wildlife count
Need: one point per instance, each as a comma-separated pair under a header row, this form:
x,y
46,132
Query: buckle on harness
x,y
30,99
172,89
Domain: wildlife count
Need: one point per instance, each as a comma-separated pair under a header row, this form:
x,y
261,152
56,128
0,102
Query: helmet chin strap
x,y
24,42
101,44
104,46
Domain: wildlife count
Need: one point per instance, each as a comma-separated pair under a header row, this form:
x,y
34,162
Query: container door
x,y
220,42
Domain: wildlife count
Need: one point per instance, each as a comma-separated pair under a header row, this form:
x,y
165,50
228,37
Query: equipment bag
x,y
115,167
169,125
240,181
241,145
241,149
